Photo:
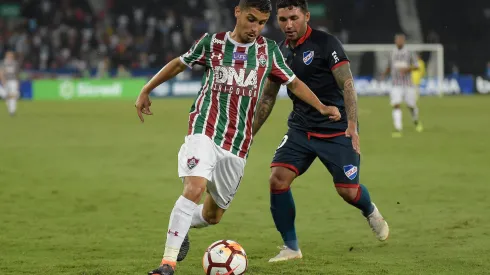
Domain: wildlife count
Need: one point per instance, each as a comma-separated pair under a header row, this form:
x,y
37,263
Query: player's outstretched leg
x,y
358,196
179,224
397,121
415,118
284,212
204,215
411,99
11,102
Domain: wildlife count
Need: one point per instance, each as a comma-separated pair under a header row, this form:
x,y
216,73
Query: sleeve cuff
x,y
339,64
185,63
290,80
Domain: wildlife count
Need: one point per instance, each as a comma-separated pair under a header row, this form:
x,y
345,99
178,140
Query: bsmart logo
x,y
67,89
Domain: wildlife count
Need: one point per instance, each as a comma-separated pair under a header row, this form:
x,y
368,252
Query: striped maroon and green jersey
x,y
232,86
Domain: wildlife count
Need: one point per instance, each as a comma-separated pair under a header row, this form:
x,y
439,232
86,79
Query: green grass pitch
x,y
87,189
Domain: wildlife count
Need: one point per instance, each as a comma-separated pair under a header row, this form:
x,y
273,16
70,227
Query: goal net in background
x,y
368,61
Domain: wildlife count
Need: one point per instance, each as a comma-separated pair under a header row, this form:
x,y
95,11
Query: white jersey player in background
x,y
401,64
9,78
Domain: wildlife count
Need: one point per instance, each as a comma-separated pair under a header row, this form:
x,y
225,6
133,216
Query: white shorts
x,y
200,156
401,94
12,88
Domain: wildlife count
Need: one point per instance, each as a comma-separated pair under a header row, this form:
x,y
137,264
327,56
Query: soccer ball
x,y
225,257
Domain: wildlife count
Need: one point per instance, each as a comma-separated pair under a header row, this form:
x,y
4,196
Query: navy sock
x,y
363,201
284,213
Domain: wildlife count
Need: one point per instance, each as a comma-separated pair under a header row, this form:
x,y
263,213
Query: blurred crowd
x,y
69,34
123,35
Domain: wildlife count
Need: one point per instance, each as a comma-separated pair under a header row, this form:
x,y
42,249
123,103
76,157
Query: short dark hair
x,y
302,4
264,6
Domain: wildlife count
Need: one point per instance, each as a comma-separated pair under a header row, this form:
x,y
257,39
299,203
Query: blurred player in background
x,y
418,74
402,63
215,150
318,59
9,78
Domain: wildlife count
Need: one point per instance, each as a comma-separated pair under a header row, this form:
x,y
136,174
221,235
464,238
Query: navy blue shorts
x,y
298,150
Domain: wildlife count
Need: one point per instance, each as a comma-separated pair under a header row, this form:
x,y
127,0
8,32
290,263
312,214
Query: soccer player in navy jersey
x,y
319,60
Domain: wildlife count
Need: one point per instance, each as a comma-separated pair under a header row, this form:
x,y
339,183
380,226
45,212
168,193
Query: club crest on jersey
x,y
262,60
350,171
239,56
308,57
192,162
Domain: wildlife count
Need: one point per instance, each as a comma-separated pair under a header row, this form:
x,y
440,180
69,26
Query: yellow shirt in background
x,y
418,74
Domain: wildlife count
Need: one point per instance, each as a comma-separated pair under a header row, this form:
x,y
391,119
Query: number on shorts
x,y
284,139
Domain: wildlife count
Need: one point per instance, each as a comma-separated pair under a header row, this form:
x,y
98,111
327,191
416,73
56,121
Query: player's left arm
x,y
340,66
343,76
265,105
196,55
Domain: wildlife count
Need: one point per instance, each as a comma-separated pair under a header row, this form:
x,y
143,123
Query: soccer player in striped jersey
x,y
9,78
402,63
219,135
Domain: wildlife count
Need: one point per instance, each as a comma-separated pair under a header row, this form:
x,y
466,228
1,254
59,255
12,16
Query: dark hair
x,y
264,6
302,4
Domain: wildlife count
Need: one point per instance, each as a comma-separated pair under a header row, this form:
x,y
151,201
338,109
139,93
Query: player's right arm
x,y
386,71
172,69
196,55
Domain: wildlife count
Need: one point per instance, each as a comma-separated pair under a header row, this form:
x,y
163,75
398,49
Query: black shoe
x,y
162,270
184,249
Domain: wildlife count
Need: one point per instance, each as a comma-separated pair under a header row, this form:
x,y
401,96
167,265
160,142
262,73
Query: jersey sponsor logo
x,y
242,82
262,60
308,57
230,76
335,57
239,56
192,162
218,41
350,171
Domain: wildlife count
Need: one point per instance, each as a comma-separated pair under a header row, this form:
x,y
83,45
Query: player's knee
x,y
348,194
280,181
193,190
396,106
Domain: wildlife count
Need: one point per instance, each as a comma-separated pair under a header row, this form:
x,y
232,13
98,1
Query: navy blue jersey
x,y
316,54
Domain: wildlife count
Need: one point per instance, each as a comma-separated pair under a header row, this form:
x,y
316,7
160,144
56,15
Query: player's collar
x,y
236,43
303,38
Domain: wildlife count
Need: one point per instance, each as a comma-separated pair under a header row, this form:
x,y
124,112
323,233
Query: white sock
x,y
11,105
397,119
180,222
198,220
415,113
